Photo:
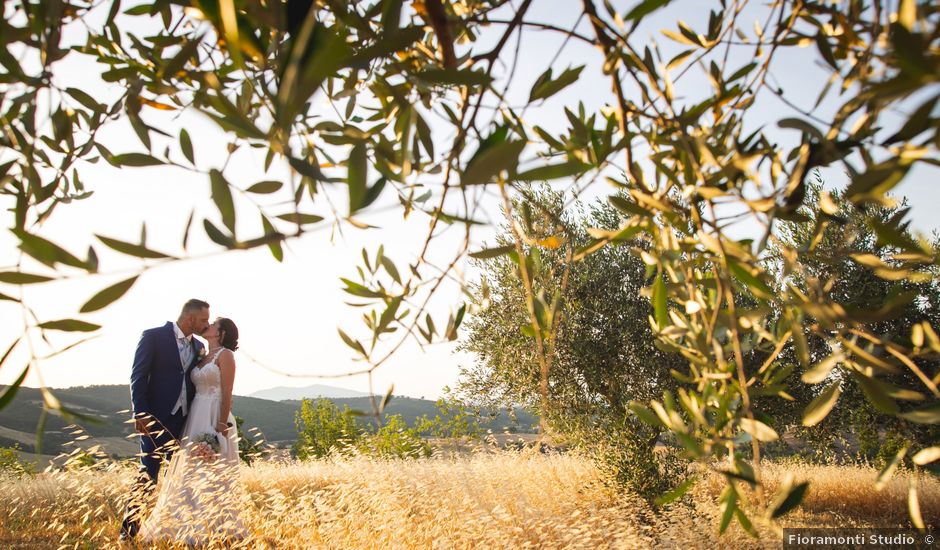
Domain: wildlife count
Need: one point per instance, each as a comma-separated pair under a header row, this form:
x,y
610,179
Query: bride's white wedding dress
x,y
198,499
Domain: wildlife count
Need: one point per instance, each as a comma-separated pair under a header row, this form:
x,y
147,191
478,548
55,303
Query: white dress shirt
x,y
185,346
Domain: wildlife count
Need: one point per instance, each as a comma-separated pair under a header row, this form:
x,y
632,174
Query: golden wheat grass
x,y
849,494
486,500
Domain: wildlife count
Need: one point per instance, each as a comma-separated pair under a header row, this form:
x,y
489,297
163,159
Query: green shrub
x,y
627,452
323,428
250,446
394,440
11,464
454,420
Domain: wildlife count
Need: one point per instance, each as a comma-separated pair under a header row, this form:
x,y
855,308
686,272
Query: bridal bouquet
x,y
206,447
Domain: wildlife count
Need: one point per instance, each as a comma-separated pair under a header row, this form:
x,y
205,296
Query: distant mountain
x,y
108,407
283,393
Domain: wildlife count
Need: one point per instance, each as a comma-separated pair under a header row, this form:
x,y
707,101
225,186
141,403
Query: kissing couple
x,y
181,391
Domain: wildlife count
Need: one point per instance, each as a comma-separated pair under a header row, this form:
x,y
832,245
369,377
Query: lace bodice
x,y
208,378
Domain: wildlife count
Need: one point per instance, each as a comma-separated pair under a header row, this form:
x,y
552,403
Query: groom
x,y
161,392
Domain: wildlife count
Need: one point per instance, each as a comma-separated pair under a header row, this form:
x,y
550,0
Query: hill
x,y
283,393
105,413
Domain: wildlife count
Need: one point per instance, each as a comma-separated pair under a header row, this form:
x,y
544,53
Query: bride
x,y
197,498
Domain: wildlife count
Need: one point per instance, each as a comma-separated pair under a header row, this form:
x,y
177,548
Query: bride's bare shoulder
x,y
226,357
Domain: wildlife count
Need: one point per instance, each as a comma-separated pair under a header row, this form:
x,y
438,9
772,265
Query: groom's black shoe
x,y
136,504
129,529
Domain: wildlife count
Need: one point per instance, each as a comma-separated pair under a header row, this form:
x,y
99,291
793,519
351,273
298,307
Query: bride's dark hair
x,y
229,333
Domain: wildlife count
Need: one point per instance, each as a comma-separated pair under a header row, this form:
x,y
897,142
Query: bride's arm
x,y
226,363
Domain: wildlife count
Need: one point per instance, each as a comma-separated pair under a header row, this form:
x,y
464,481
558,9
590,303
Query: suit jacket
x,y
157,375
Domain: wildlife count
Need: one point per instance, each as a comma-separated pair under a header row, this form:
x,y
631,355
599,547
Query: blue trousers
x,y
157,447
154,449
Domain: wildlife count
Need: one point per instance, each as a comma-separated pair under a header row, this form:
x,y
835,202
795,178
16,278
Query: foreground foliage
x,y
685,159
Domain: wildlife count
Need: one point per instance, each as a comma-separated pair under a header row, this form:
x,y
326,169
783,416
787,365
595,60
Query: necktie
x,y
185,352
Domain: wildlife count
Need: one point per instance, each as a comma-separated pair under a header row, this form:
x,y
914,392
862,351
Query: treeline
x,y
104,408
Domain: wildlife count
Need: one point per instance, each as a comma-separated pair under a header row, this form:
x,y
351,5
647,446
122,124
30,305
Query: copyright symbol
x,y
928,539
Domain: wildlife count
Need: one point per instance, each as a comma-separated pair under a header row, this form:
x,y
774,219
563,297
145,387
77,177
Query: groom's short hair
x,y
193,306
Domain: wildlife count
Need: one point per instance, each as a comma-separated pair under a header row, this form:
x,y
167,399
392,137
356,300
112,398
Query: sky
x,y
288,313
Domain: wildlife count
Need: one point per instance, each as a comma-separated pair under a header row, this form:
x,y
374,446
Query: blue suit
x,y
156,380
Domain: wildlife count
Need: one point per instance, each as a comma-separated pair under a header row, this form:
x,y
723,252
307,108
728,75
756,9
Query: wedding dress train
x,y
198,499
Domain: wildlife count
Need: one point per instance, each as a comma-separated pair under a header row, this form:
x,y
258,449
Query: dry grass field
x,y
487,500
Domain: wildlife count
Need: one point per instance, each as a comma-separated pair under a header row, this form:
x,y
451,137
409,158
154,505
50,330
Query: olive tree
x,y
604,356
839,259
